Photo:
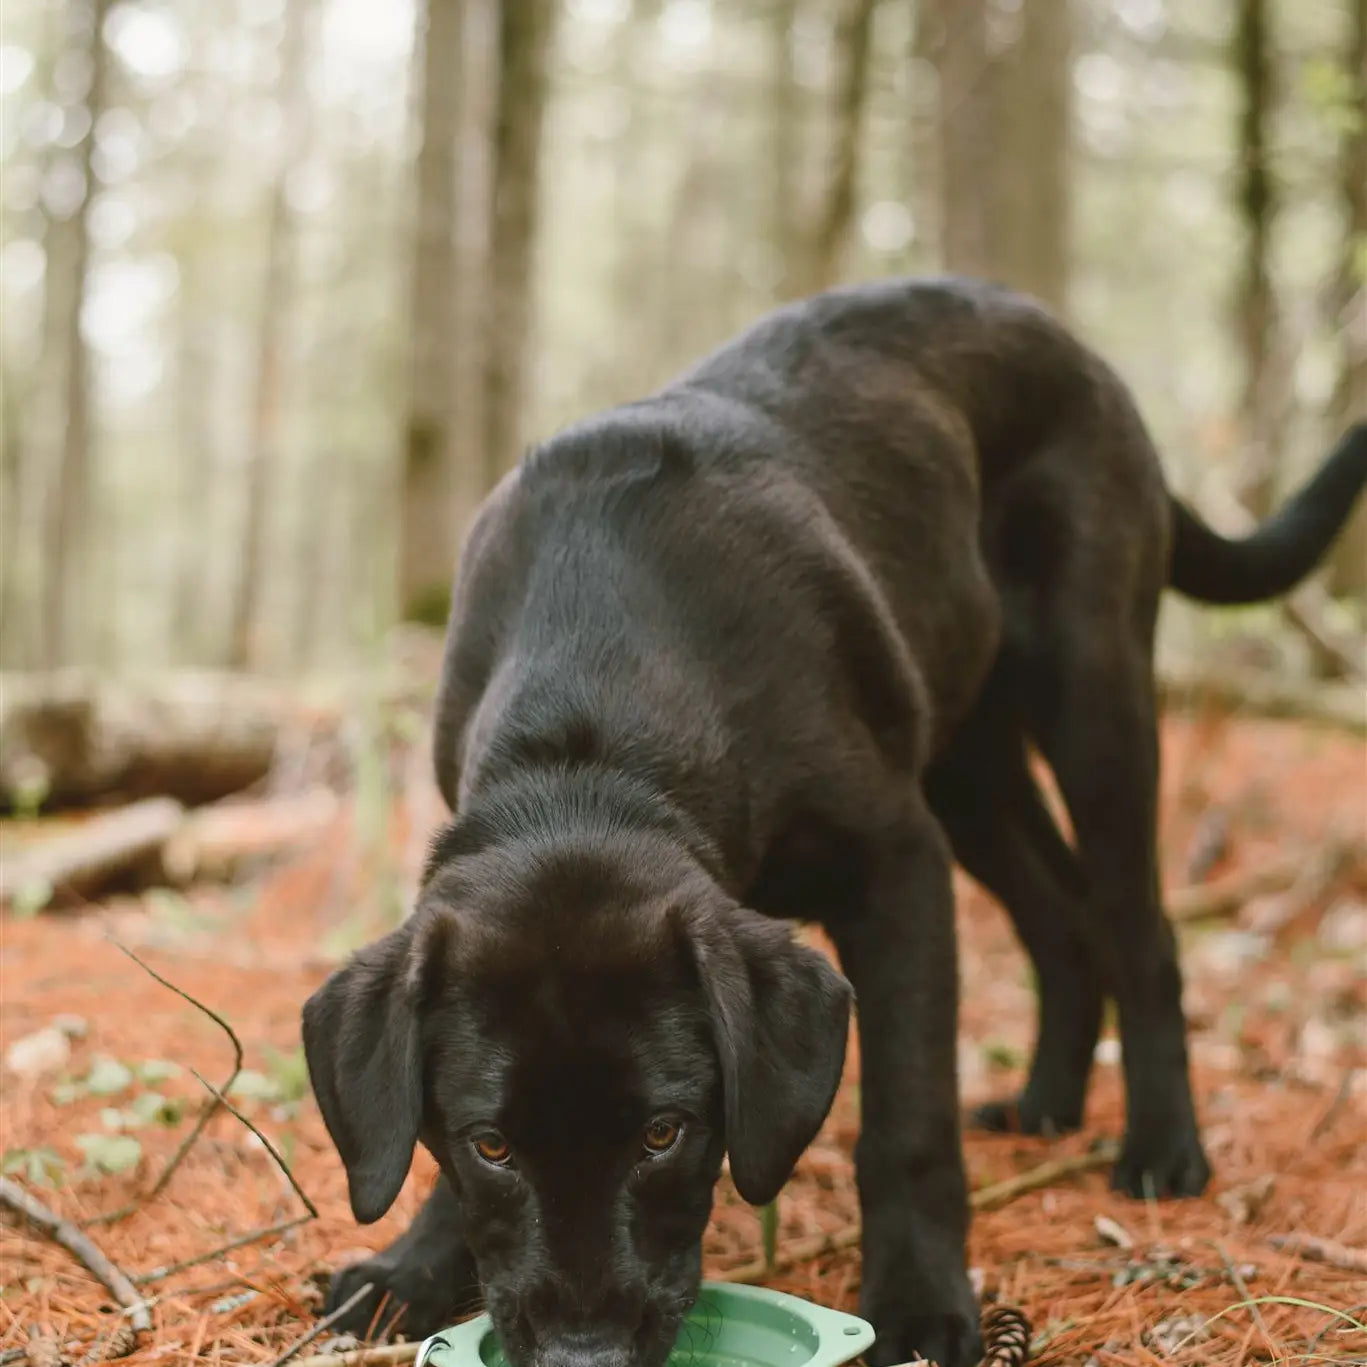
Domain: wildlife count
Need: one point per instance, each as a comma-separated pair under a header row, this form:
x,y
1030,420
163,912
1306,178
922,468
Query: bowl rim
x,y
840,1336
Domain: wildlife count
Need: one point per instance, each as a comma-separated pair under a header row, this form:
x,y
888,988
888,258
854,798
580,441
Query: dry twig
x,y
1241,1286
985,1198
159,1274
1316,1250
206,1112
323,1325
270,1148
80,1245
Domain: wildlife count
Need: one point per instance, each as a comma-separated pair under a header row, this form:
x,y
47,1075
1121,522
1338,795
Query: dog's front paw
x,y
407,1296
1161,1160
950,1340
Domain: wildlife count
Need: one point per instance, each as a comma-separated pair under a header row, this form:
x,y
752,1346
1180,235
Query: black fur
x,y
772,644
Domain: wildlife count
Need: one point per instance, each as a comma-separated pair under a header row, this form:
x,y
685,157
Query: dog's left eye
x,y
493,1149
661,1135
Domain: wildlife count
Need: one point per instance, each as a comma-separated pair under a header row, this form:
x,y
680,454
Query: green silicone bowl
x,y
730,1326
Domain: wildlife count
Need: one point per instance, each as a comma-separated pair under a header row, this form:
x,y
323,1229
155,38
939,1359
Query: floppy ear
x,y
362,1044
780,1020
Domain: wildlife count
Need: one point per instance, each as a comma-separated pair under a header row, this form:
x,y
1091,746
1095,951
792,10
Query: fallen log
x,y
158,841
214,842
72,737
115,849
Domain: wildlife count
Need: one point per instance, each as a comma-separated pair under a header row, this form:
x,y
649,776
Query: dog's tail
x,y
1276,557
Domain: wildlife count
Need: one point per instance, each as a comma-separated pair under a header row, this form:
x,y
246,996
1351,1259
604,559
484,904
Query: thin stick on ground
x,y
159,1274
1316,1250
80,1246
270,1148
985,1198
323,1325
1241,1286
391,1355
1044,1175
206,1112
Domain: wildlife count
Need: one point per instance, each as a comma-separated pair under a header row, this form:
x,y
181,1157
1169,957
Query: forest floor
x,y
1276,997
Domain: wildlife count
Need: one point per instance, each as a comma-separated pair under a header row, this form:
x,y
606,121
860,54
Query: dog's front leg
x,y
421,1282
897,948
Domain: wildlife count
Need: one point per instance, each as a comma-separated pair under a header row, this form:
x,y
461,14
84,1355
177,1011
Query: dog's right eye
x,y
493,1149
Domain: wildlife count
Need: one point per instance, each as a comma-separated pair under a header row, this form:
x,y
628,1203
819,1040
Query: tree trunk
x,y
849,94
954,37
786,144
15,570
247,622
69,524
1034,122
524,45
1348,572
1264,398
428,515
625,368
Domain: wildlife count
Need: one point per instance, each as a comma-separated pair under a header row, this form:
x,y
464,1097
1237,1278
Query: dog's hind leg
x,y
1098,729
1003,835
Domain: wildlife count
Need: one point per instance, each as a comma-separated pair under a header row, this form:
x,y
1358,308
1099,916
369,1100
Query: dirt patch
x,y
1279,1044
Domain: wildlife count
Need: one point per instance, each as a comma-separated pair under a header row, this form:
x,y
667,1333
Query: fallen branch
x,y
66,1234
1226,895
323,1325
1307,611
91,858
985,1198
1255,693
1316,1250
206,1111
1308,874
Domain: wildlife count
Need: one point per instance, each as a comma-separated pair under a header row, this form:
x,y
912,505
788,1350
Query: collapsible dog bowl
x,y
730,1326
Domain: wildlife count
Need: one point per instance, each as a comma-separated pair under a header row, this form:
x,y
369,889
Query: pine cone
x,y
44,1348
1006,1337
123,1341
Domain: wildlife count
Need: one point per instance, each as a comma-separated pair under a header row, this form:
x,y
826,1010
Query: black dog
x,y
771,644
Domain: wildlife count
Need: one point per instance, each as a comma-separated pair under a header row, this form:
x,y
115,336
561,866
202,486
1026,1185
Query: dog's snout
x,y
585,1350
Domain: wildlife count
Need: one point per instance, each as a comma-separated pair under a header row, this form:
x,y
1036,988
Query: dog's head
x,y
578,1039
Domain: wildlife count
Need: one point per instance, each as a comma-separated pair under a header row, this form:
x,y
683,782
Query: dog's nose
x,y
584,1350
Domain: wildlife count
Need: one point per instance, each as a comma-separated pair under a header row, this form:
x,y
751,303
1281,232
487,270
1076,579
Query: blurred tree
x,y
953,37
525,36
70,526
12,566
1033,81
834,209
624,370
428,513
1349,294
1264,404
277,307
1004,135
785,149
